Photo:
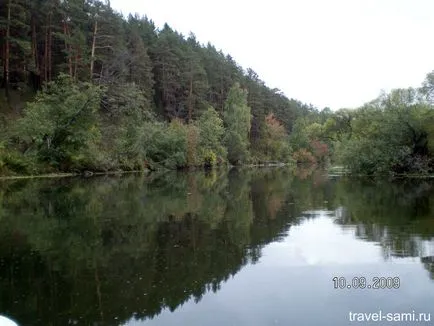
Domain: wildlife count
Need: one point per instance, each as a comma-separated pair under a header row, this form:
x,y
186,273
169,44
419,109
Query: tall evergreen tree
x,y
139,64
16,45
194,78
166,57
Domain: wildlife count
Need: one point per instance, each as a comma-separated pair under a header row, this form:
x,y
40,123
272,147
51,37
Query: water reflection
x,y
250,247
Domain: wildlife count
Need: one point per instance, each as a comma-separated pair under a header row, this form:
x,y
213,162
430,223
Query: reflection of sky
x,y
4,321
320,242
426,247
333,245
292,283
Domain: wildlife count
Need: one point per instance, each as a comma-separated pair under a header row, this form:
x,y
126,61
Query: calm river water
x,y
251,247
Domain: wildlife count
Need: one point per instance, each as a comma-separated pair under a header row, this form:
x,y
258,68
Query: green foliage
x,y
140,72
209,158
389,135
13,162
338,125
212,132
144,75
60,126
298,138
237,119
193,135
276,140
130,115
167,144
313,137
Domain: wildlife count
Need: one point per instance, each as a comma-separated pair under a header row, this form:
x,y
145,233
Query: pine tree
x,y
139,63
255,99
166,58
108,52
16,44
194,79
74,34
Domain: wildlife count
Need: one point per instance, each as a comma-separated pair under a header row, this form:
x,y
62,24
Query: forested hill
x,y
123,94
83,88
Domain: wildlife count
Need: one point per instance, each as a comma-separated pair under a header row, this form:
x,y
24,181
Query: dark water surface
x,y
254,247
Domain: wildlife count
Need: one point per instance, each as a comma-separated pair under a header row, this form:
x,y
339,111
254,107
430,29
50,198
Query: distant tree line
x,y
391,135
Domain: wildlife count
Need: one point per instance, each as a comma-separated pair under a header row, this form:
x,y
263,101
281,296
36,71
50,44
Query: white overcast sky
x,y
335,53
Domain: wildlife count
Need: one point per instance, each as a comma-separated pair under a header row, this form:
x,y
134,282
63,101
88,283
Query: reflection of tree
x,y
120,247
398,215
428,263
303,171
384,202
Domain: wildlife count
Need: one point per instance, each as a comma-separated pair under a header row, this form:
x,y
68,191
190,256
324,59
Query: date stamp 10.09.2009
x,y
375,283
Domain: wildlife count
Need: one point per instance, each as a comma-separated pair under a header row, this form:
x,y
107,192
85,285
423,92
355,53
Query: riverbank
x,y
119,172
65,175
334,171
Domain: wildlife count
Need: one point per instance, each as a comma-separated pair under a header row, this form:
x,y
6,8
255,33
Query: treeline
x,y
87,89
118,93
393,134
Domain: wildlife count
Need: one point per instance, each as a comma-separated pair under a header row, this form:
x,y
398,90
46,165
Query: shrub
x,y
167,144
211,133
320,150
60,126
304,156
